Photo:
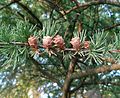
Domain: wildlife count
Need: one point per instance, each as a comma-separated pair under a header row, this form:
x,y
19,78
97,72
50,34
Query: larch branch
x,y
68,80
39,23
98,2
12,2
102,69
111,27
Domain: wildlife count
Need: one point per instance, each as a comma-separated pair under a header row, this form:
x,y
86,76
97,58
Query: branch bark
x,y
56,7
12,2
88,4
68,80
111,27
13,43
102,69
39,23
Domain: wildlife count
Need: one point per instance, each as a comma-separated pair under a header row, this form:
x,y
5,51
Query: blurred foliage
x,y
18,73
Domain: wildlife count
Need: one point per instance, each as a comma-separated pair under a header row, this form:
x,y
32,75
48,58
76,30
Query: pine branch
x,y
66,49
30,21
88,4
68,80
102,69
57,8
20,14
111,27
13,43
5,6
39,23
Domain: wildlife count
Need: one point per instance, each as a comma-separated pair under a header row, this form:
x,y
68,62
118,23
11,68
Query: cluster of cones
x,y
57,41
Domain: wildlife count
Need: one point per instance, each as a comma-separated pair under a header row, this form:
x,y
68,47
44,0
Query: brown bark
x,y
68,80
111,27
102,69
91,3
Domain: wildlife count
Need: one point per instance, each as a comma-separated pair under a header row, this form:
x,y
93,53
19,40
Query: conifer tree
x,y
64,48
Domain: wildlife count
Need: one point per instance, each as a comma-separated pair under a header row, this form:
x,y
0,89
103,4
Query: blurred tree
x,y
64,48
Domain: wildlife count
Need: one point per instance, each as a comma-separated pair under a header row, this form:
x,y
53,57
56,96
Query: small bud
x,y
86,44
32,41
